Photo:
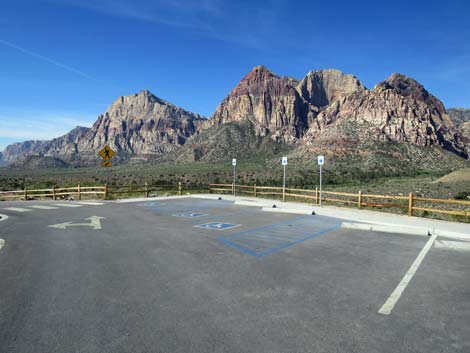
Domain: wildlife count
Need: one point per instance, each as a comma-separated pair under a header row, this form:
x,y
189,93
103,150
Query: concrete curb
x,y
386,228
408,230
287,210
452,235
143,199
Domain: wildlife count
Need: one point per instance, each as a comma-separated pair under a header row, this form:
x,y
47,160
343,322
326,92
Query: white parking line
x,y
3,217
90,203
387,308
453,245
2,243
42,207
17,209
67,205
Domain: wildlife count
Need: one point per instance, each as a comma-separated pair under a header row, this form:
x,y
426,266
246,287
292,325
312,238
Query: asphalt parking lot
x,y
195,275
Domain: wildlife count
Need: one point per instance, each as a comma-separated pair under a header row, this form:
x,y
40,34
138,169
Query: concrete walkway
x,y
381,220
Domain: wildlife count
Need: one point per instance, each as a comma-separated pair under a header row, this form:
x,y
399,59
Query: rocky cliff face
x,y
61,146
398,109
461,119
271,103
324,87
283,107
141,125
136,125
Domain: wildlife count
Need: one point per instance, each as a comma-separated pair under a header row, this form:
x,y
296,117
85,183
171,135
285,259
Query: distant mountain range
x,y
396,123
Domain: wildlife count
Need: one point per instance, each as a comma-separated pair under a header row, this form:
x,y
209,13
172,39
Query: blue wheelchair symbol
x,y
217,225
190,214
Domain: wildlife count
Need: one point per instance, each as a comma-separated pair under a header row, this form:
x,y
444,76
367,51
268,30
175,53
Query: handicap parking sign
x,y
190,214
217,225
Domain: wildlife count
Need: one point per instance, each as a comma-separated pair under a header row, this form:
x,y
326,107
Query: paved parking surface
x,y
191,275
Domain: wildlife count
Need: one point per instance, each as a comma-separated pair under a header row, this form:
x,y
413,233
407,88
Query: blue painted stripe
x,y
234,240
267,226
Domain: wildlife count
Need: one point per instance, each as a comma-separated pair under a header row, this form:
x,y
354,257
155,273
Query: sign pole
x,y
284,184
321,161
234,163
284,163
320,183
234,180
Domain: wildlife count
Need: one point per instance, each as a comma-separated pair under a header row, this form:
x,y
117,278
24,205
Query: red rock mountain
x,y
326,107
398,109
270,102
137,125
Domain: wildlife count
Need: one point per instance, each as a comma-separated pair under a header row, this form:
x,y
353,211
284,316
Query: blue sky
x,y
62,62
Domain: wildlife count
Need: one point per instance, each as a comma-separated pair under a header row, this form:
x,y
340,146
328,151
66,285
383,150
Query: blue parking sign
x,y
190,214
217,225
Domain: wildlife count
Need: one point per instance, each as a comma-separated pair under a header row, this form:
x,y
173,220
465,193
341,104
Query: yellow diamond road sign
x,y
107,164
107,153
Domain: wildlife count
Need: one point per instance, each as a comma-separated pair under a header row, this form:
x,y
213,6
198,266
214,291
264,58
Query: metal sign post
x,y
234,163
321,161
284,163
107,153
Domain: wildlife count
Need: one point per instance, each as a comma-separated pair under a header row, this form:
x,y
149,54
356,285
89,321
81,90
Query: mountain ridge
x,y
327,107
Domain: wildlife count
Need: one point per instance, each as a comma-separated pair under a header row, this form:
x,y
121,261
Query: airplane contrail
x,y
49,60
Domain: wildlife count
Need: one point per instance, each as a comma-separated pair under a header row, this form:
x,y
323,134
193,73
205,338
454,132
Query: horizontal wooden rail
x,y
456,202
269,193
269,187
455,213
339,193
390,205
391,197
301,196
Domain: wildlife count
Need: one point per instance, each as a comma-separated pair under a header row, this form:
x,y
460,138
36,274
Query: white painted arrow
x,y
95,223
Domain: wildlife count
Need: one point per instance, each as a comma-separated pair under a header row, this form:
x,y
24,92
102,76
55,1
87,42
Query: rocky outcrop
x,y
66,145
136,125
38,162
141,125
270,102
324,87
398,109
461,119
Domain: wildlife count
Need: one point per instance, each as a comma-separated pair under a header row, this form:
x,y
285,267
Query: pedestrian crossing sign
x,y
107,153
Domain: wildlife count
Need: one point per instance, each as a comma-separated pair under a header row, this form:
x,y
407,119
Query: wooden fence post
x,y
79,195
146,190
179,188
359,199
254,189
53,193
316,196
25,194
105,191
410,204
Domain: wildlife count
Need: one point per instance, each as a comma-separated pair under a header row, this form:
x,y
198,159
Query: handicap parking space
x,y
275,237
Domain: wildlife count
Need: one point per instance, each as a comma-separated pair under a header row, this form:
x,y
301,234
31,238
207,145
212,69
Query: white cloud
x,y
44,126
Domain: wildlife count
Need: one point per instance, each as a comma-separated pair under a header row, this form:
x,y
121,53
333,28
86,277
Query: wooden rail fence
x,y
410,203
55,193
145,189
78,191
